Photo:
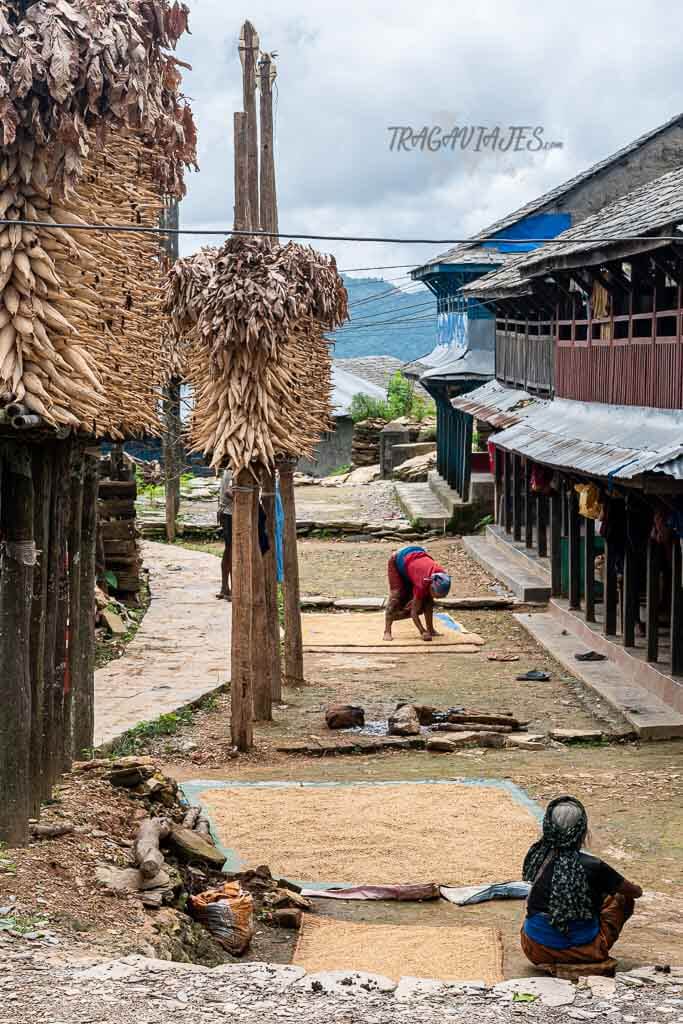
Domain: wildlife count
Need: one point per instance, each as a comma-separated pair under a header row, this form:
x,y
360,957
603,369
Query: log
x,y
270,574
146,846
117,531
260,641
120,508
451,727
51,831
118,489
18,561
241,687
294,653
464,719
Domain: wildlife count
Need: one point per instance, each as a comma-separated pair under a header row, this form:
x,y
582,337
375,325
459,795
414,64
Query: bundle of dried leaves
x,y
258,360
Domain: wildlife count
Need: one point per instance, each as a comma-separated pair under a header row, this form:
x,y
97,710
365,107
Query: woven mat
x,y
396,951
366,629
384,835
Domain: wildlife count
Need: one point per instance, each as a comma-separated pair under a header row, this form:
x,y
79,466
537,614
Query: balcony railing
x,y
525,355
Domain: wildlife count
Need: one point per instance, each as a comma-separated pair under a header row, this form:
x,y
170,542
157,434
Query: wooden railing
x,y
525,355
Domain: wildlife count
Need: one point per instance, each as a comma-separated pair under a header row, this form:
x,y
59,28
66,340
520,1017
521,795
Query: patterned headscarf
x,y
570,895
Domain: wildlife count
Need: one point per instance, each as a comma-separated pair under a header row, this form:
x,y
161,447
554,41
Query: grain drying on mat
x,y
249,320
453,834
398,950
94,129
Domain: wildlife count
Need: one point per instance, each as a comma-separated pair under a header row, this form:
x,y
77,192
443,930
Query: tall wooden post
x,y
261,647
270,574
249,48
74,636
529,504
55,625
631,598
43,456
542,525
677,609
653,577
611,590
84,691
294,654
574,549
18,563
241,686
517,497
268,190
242,218
556,545
507,491
589,568
170,218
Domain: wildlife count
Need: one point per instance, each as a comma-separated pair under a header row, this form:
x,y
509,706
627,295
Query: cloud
x,y
593,75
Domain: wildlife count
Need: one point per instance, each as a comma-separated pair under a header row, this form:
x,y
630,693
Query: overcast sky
x,y
594,73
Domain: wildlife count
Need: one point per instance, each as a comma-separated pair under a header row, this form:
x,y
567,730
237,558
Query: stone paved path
x,y
181,651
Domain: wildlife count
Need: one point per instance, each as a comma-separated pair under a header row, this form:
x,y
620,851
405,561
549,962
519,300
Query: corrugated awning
x,y
611,441
496,404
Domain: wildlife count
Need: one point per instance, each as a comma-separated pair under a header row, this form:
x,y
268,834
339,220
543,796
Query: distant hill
x,y
367,334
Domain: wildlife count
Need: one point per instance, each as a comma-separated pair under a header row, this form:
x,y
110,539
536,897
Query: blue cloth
x,y
279,533
539,928
402,555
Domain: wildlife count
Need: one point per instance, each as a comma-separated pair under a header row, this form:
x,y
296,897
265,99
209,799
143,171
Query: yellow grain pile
x,y
94,130
254,317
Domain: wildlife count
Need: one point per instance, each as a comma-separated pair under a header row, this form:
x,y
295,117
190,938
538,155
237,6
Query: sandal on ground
x,y
591,656
534,676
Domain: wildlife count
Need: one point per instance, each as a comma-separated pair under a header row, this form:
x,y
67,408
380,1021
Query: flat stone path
x,y
181,651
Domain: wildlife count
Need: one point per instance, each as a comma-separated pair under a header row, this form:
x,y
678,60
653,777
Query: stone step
x,y
649,716
529,584
528,557
419,503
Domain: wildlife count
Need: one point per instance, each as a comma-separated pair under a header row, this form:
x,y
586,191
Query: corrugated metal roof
x,y
496,404
345,385
472,363
500,283
536,205
611,441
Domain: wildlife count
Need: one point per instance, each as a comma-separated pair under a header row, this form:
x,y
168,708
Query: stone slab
x,y
528,585
649,716
180,654
577,735
420,503
360,604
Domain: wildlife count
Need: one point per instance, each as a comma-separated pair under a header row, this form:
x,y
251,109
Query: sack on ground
x,y
228,913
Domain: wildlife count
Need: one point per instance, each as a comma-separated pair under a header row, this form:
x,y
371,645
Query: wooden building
x,y
471,348
589,473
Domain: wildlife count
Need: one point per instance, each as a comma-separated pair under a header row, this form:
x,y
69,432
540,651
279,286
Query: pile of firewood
x,y
365,445
93,130
253,318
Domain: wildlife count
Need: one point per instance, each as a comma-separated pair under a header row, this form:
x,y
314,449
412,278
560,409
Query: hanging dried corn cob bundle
x,y
80,322
258,361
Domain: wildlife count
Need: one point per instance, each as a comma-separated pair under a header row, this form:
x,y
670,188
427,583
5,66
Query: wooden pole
x,y
677,609
529,504
241,687
611,590
43,456
270,575
653,596
242,217
55,625
542,525
630,597
84,695
74,636
294,654
249,49
517,497
18,564
260,641
556,545
574,550
507,491
589,568
170,218
268,190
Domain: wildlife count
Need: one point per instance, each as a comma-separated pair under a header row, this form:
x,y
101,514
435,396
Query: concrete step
x,y
419,502
527,583
528,557
649,716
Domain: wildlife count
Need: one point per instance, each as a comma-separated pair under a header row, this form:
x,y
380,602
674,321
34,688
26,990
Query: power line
x,y
397,266
399,309
139,229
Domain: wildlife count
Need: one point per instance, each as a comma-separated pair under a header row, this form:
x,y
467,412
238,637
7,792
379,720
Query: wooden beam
x,y
574,549
677,609
556,544
18,563
241,215
611,590
74,635
271,585
241,687
630,597
249,49
542,525
507,491
268,189
529,504
589,568
294,653
517,497
84,692
42,457
653,597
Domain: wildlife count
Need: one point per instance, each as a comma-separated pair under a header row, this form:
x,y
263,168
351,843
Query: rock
x,y
404,722
287,918
316,603
576,735
274,977
627,979
114,623
525,741
455,741
192,847
360,604
129,879
411,990
425,713
494,740
346,983
602,987
551,991
101,599
364,475
344,716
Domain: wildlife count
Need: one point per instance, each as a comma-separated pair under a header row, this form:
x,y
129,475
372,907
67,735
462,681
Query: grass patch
x,y
24,924
7,866
341,471
137,739
111,649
